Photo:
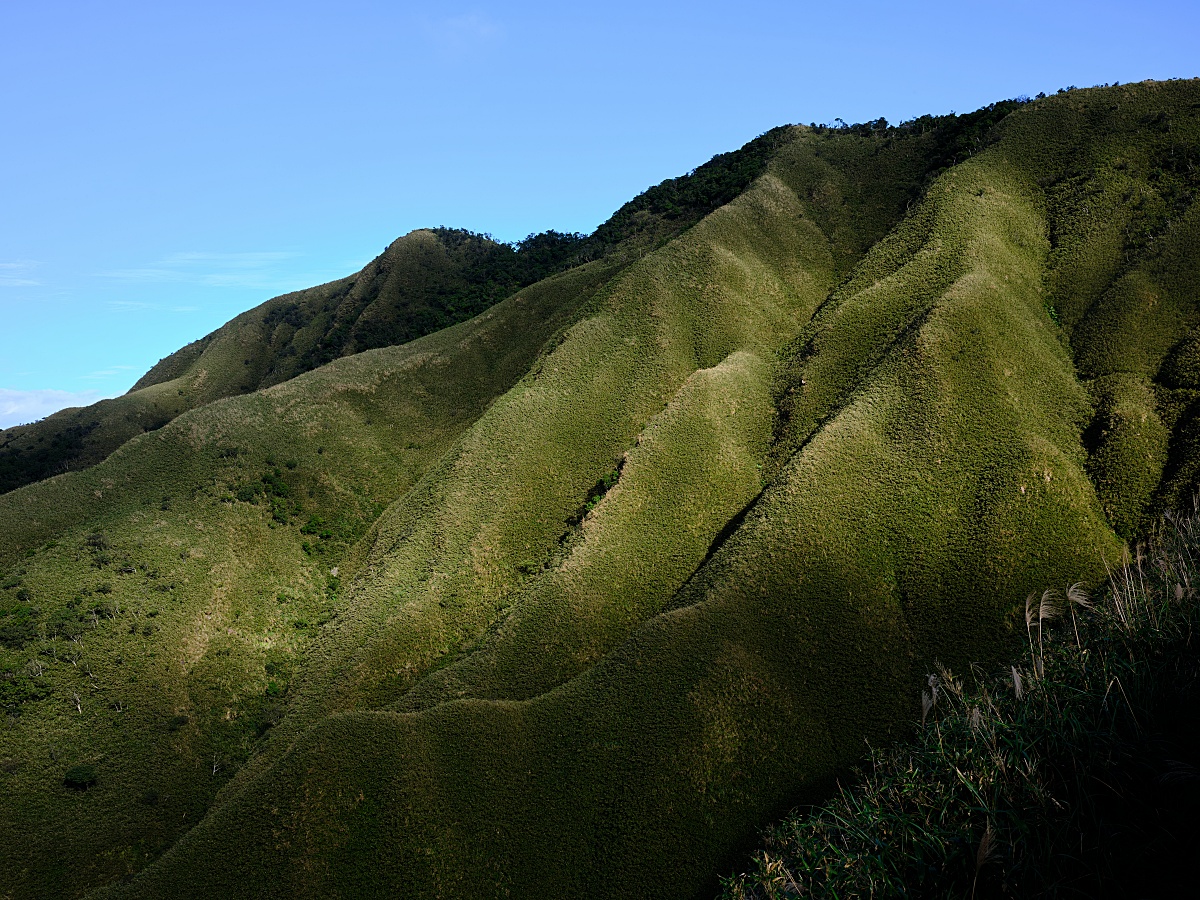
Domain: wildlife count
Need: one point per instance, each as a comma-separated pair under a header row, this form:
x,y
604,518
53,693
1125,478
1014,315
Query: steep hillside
x,y
568,599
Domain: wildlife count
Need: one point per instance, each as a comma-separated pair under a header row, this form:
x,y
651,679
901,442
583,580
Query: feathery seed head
x,y
927,703
1077,595
1051,606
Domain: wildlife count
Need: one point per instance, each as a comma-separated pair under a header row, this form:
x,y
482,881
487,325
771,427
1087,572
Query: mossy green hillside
x,y
1120,169
637,559
433,278
422,282
452,557
691,471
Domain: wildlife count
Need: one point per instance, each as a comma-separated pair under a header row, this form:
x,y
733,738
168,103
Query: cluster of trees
x,y
21,464
680,202
482,273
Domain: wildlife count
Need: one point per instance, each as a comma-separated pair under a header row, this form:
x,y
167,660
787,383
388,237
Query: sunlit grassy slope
x,y
568,599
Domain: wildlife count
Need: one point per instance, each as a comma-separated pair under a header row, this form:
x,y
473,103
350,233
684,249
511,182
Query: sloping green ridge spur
x,y
569,598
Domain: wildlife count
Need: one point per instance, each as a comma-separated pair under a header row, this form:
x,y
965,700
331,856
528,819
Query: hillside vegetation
x,y
573,596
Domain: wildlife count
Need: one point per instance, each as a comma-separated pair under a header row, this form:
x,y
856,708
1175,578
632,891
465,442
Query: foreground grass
x,y
1070,775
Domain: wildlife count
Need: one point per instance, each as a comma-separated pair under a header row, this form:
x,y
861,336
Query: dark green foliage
x,y
956,137
18,621
81,777
246,493
335,533
1071,775
18,688
938,142
274,485
690,197
275,490
316,525
596,494
482,272
21,464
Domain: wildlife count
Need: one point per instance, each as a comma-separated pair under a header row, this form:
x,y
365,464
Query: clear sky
x,y
165,166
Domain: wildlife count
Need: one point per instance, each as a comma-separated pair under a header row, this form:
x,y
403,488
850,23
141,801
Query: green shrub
x,y
247,492
81,777
17,688
274,485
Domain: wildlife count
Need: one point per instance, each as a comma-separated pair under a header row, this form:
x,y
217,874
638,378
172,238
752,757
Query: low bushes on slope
x,y
1072,774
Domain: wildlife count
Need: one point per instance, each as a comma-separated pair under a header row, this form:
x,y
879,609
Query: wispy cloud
x,y
17,274
130,305
110,372
458,35
260,270
20,407
133,306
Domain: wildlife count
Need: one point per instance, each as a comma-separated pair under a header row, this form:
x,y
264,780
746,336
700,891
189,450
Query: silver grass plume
x,y
1050,607
1077,595
1029,617
987,849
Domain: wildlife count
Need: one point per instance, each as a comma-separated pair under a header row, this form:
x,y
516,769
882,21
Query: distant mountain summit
x,y
557,569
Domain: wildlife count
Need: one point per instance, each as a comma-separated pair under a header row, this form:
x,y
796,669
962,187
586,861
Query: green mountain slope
x,y
569,598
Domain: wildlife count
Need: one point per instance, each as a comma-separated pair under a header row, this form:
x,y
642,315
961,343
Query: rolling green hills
x,y
571,596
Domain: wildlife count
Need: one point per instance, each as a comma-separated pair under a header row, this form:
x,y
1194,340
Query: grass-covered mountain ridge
x,y
560,569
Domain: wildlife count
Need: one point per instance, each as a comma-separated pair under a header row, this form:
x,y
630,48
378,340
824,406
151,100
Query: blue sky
x,y
166,166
